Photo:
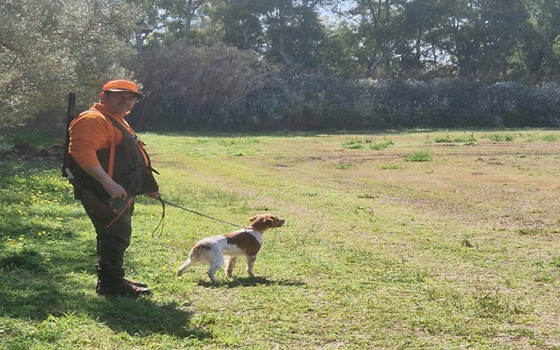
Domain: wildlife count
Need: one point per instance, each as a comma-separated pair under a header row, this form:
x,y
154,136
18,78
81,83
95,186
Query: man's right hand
x,y
111,187
115,190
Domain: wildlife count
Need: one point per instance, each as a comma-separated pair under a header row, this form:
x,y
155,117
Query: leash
x,y
162,220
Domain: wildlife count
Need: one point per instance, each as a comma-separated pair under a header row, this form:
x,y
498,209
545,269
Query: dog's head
x,y
263,222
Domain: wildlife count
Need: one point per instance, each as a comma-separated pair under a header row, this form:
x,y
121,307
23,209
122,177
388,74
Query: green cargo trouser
x,y
112,243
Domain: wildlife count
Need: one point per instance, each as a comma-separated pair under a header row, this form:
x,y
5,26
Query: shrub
x,y
198,88
223,88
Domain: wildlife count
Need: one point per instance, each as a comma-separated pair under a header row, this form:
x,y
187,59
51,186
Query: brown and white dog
x,y
244,242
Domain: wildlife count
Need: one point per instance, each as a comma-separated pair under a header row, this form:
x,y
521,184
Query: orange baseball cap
x,y
122,85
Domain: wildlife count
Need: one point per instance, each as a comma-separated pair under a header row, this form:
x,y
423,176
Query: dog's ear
x,y
253,218
271,220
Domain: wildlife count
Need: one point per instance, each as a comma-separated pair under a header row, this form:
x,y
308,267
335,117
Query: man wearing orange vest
x,y
110,168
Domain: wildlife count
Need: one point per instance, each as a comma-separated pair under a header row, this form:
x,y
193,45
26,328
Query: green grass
x,y
378,251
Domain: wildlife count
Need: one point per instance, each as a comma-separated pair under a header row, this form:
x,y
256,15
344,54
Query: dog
x,y
244,242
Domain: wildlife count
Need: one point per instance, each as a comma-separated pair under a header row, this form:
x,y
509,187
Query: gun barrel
x,y
69,117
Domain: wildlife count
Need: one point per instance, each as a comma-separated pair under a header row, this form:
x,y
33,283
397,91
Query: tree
x,y
539,52
147,25
294,33
475,38
285,32
178,17
48,48
241,24
378,28
419,51
480,36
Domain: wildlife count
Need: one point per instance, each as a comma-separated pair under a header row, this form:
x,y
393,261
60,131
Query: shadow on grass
x,y
43,267
250,282
38,283
34,296
142,317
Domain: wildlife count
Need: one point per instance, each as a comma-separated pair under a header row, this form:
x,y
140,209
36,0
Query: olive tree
x,y
48,48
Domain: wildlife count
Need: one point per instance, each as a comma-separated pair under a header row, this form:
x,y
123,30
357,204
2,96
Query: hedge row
x,y
224,89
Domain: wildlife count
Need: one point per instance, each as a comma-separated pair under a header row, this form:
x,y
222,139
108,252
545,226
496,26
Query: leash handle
x,y
161,221
163,202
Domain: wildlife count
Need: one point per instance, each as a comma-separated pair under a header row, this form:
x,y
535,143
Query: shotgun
x,y
69,117
94,206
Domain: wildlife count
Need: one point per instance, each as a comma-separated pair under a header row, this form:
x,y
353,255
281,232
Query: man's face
x,y
119,102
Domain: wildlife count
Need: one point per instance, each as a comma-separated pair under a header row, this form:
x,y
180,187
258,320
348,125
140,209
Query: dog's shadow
x,y
248,282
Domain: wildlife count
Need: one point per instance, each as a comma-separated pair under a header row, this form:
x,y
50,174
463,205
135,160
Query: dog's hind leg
x,y
230,265
212,273
215,264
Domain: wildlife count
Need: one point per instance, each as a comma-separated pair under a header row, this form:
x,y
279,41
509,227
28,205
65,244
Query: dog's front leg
x,y
230,265
250,264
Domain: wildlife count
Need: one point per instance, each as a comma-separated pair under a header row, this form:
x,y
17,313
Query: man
x,y
110,168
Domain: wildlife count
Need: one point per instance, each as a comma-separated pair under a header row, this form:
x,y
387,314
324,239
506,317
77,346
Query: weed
x,y
402,275
357,143
555,261
465,242
381,145
500,137
448,139
391,166
489,302
531,231
549,138
342,166
366,195
353,144
422,156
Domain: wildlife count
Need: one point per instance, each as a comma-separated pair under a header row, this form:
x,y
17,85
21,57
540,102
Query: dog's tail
x,y
184,267
198,254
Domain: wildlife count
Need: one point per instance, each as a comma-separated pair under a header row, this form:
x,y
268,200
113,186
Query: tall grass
x,y
458,252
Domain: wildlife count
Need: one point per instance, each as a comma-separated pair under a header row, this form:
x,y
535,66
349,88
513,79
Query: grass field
x,y
418,240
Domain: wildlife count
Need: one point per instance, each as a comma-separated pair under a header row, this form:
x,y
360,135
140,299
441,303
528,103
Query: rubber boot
x,y
111,282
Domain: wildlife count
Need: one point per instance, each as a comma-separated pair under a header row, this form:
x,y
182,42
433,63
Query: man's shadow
x,y
33,291
142,317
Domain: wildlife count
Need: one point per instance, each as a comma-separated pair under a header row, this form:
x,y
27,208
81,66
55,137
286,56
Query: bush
x,y
192,88
225,89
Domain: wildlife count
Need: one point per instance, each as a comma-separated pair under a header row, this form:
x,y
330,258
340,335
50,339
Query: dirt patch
x,y
26,151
